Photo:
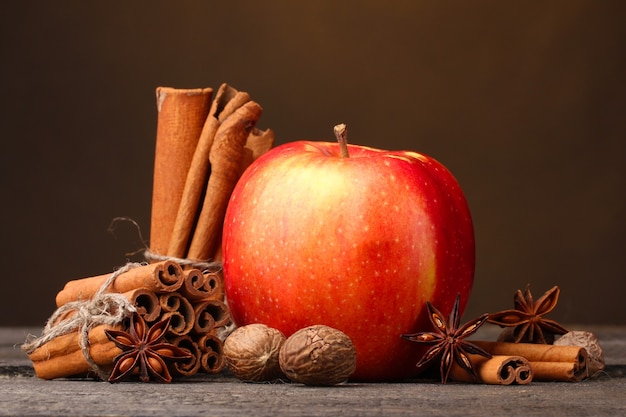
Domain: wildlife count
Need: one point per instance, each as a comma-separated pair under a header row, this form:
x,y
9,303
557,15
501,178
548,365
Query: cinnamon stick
x,y
215,281
212,358
180,310
498,370
559,371
62,356
227,100
191,366
549,362
226,158
147,303
257,143
159,277
218,256
181,116
214,284
209,315
200,286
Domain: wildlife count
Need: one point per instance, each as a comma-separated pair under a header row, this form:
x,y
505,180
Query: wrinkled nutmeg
x,y
318,355
251,353
589,341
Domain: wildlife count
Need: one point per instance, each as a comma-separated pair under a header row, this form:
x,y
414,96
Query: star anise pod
x,y
527,319
447,340
144,349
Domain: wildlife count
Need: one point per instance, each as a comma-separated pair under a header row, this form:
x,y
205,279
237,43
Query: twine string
x,y
103,308
194,263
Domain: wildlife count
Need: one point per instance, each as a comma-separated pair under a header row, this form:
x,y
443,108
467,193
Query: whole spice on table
x,y
318,355
549,362
251,353
200,319
497,370
63,356
191,366
526,321
144,350
591,344
211,353
448,342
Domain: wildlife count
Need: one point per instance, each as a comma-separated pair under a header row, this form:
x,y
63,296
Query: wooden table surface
x,y
22,393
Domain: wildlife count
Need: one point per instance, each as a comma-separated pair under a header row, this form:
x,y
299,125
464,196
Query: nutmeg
x,y
318,355
589,341
251,352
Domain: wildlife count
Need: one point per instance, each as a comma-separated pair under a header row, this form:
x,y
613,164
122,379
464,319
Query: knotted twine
x,y
103,308
204,266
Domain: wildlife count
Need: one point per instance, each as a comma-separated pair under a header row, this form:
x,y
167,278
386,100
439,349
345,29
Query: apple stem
x,y
341,133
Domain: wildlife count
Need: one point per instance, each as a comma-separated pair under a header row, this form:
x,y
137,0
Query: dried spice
x,y
447,340
318,355
527,319
144,349
251,352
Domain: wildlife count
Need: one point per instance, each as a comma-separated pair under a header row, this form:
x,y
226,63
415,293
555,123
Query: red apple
x,y
358,241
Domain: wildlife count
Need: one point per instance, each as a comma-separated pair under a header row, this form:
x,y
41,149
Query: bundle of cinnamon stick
x,y
203,145
202,148
521,363
192,299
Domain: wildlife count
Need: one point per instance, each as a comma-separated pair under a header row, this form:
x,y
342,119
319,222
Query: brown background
x,y
523,101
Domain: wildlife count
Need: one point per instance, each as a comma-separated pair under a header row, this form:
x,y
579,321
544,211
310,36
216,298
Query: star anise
x,y
447,341
527,319
144,349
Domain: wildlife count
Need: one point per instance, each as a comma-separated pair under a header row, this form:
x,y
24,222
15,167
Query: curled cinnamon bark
x,y
214,284
498,370
180,310
559,371
212,358
226,158
63,357
191,366
209,315
146,302
181,115
187,213
200,286
163,276
548,362
227,100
